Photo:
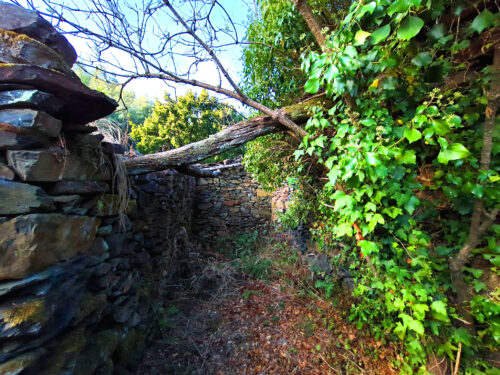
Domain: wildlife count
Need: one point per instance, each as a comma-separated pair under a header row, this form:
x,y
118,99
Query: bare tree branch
x,y
159,40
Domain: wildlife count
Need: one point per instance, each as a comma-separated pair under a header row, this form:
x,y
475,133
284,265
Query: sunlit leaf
x,y
412,135
361,36
312,85
455,151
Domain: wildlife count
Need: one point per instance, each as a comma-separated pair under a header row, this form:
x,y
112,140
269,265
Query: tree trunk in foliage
x,y
222,141
314,25
480,220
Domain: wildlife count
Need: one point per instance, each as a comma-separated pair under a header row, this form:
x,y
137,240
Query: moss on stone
x,y
28,312
89,304
66,351
20,363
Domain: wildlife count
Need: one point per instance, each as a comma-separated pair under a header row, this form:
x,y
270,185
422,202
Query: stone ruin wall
x,y
230,203
77,280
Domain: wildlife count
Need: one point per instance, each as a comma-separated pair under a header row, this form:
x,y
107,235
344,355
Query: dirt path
x,y
221,321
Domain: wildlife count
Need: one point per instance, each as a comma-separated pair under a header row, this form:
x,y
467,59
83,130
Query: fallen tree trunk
x,y
222,141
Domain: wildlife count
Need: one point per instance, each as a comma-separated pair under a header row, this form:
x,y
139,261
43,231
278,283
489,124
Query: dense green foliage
x,y
277,38
270,160
272,76
188,119
399,155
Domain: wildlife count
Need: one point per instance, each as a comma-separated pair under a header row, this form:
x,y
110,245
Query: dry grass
x,y
230,322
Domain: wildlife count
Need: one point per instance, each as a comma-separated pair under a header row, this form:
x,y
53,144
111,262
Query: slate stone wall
x,y
77,280
229,203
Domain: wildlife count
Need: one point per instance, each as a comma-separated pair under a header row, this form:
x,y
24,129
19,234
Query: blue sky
x,y
238,10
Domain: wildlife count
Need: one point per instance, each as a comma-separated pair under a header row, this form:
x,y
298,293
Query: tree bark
x,y
480,220
314,25
222,141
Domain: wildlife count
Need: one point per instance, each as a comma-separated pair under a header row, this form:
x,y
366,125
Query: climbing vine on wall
x,y
403,148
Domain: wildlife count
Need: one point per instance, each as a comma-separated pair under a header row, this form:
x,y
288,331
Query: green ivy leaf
x,y
381,34
493,258
360,37
438,309
368,8
461,335
478,190
344,229
437,31
419,310
422,59
440,127
477,273
412,324
400,330
412,135
399,6
408,157
376,219
370,206
482,21
368,247
298,154
368,122
412,203
410,27
331,73
478,286
312,85
454,152
372,159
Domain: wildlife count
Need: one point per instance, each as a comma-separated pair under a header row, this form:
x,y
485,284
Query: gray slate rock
x,y
32,243
21,49
22,21
79,187
33,99
5,172
48,166
12,138
81,104
30,119
19,198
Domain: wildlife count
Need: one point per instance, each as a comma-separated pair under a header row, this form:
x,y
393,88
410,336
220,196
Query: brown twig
x,y
457,363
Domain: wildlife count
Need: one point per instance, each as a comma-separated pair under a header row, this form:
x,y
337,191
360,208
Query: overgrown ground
x,y
250,307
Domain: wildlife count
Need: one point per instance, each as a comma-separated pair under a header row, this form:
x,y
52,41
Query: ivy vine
x,y
401,149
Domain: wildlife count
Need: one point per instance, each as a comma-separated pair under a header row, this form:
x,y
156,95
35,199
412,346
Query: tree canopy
x,y
186,119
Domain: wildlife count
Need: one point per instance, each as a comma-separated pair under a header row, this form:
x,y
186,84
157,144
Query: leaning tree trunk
x,y
222,141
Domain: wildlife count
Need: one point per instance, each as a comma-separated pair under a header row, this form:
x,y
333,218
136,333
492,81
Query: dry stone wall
x,y
80,265
76,278
229,203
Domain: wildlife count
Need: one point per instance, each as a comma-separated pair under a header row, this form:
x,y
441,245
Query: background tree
x,y
277,38
177,122
131,108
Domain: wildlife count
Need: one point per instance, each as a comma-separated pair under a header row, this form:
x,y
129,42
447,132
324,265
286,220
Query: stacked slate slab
x,y
76,279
